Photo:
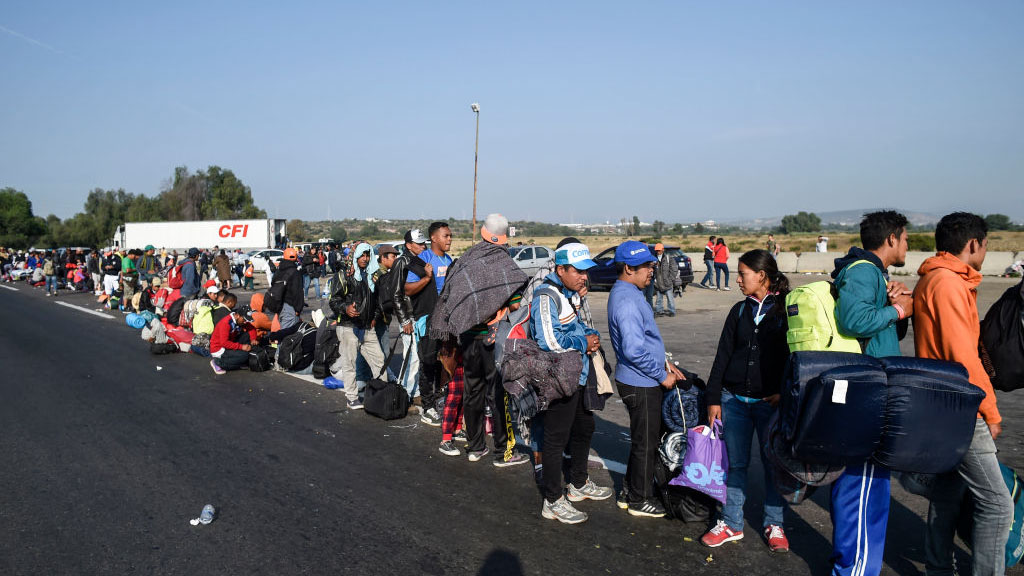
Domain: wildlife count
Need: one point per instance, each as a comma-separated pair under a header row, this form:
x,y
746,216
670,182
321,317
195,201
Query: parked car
x,y
603,275
530,259
259,258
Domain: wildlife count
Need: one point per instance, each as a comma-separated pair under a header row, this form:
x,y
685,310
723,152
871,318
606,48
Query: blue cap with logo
x,y
634,253
576,255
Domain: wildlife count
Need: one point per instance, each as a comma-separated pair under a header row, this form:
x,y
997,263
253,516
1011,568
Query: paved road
x,y
106,458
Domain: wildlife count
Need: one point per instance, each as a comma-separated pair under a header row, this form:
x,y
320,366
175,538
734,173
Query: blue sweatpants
x,y
860,511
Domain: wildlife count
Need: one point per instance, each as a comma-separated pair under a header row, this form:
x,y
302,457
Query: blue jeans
x,y
741,419
305,285
649,294
706,281
993,509
51,284
670,297
719,268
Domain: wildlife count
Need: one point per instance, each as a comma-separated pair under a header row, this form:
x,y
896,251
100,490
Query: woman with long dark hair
x,y
721,263
744,388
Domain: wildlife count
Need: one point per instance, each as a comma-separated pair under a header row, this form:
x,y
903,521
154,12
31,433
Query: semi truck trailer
x,y
243,234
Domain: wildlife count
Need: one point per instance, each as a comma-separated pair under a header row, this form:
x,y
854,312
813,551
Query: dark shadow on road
x,y
501,563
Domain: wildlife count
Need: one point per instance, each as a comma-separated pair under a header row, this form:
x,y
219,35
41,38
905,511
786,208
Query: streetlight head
x,y
476,107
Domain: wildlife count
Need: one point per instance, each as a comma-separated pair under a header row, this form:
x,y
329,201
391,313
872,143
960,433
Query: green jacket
x,y
863,309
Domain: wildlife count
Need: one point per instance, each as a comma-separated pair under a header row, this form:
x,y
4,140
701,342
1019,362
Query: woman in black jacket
x,y
743,390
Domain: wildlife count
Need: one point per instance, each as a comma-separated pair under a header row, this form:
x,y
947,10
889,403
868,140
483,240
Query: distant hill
x,y
837,217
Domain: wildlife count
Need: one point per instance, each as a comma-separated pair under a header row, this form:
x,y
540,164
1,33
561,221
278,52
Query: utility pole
x,y
476,156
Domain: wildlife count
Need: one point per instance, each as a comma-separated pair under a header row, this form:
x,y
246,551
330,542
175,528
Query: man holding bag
x,y
641,374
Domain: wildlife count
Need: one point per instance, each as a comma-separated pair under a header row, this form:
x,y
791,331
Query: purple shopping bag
x,y
706,463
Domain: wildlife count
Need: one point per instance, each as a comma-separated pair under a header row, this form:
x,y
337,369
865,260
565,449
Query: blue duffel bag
x,y
930,414
840,419
804,368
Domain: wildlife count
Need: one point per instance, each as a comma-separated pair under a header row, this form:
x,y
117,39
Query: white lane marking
x,y
86,310
9,288
611,465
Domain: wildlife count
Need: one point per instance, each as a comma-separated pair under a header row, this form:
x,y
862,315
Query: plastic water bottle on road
x,y
205,517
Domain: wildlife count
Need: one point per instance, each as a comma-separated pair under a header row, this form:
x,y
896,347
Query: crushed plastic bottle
x,y
205,517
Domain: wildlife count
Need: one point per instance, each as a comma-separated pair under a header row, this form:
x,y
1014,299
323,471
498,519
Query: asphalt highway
x,y
109,451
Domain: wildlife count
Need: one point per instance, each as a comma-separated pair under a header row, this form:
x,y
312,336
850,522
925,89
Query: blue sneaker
x,y
332,383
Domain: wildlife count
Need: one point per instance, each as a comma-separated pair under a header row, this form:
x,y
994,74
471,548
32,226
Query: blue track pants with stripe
x,y
860,511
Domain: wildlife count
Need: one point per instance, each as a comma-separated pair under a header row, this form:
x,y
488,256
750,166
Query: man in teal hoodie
x,y
874,310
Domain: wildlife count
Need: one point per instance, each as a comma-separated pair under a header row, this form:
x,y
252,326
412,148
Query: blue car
x,y
603,275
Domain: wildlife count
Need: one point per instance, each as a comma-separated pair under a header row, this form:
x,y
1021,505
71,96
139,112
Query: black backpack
x,y
385,293
295,352
326,350
260,359
1002,334
273,300
680,502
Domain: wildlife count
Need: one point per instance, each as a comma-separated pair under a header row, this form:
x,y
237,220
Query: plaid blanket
x,y
477,285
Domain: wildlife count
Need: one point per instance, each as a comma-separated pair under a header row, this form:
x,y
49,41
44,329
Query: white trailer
x,y
244,234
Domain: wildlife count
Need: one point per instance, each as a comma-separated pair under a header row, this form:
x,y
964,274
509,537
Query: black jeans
x,y
566,419
644,408
430,389
482,380
233,359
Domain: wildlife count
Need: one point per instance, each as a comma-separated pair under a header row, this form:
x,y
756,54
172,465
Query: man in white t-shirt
x,y
822,245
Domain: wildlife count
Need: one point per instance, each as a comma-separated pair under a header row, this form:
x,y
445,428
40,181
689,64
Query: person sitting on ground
x,y
155,297
230,342
227,303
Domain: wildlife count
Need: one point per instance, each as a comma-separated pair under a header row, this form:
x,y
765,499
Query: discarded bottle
x,y
207,516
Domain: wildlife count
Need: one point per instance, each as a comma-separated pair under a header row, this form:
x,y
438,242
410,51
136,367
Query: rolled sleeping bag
x,y
930,414
135,321
841,416
682,419
673,450
803,367
794,480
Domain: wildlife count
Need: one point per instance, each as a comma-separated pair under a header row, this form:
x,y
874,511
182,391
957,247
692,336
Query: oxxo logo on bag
x,y
701,476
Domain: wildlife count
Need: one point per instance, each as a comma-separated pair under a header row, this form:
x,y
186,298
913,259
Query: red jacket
x,y
721,254
223,338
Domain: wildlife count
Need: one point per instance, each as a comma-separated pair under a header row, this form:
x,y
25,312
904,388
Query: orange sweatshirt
x,y
946,324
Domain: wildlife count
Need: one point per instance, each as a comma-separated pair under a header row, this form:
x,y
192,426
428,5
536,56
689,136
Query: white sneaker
x,y
562,511
588,491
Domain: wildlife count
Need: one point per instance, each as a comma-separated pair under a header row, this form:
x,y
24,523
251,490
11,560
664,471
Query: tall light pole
x,y
476,156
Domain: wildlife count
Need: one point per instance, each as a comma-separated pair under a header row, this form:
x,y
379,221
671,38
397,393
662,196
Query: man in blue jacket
x,y
190,276
873,309
557,327
640,374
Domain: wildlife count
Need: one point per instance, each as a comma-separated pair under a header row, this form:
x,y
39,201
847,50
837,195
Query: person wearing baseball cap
x,y
641,374
665,273
402,296
557,327
495,230
191,283
231,340
147,265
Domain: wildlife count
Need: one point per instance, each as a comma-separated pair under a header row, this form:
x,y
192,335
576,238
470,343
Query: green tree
x,y
338,232
658,227
800,222
998,222
636,225
18,226
297,231
677,228
698,228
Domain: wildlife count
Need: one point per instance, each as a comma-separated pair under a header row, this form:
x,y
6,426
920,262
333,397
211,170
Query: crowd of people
x,y
465,325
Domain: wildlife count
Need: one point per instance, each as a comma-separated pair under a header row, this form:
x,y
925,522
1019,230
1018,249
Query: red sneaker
x,y
719,535
776,538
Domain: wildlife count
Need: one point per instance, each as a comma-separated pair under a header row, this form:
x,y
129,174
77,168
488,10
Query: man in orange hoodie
x,y
946,327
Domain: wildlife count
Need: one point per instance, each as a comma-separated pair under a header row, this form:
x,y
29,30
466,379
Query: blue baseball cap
x,y
576,255
634,253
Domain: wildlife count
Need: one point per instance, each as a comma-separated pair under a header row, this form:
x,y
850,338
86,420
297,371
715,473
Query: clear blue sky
x,y
590,111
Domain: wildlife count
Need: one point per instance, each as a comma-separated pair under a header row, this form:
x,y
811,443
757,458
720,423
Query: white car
x,y
530,259
260,257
